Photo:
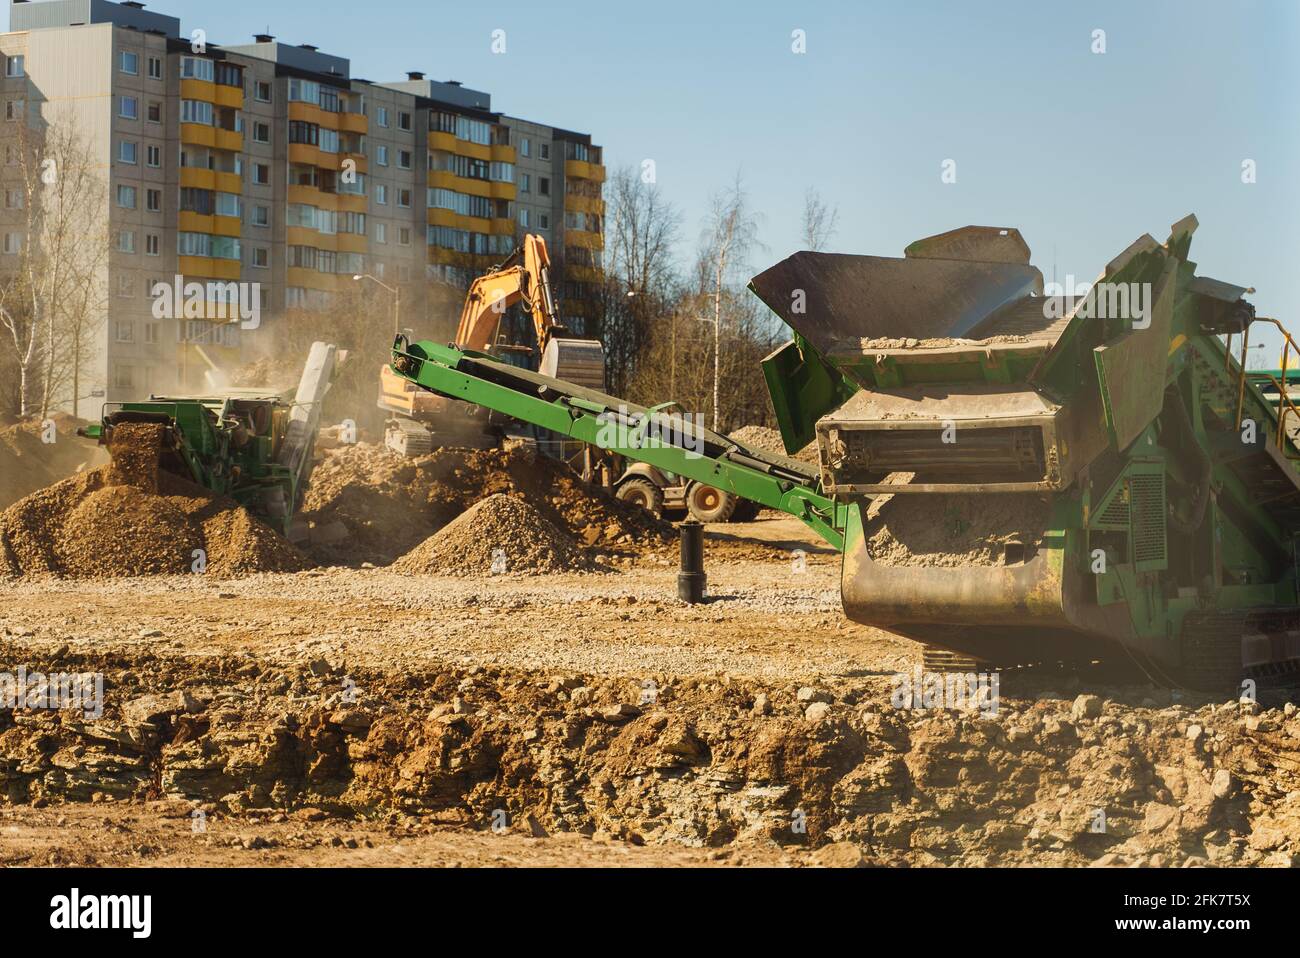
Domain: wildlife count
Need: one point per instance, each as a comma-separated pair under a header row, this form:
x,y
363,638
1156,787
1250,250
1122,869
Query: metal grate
x,y
1148,498
1115,514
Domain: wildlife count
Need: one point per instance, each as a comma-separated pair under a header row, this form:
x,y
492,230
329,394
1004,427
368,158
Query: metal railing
x,y
1285,406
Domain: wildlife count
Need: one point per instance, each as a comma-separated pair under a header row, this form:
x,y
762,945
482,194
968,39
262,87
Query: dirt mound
x,y
952,530
769,439
500,535
367,504
93,526
29,463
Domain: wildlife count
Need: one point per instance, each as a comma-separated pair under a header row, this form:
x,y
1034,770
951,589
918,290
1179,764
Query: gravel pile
x,y
93,526
500,535
769,439
368,504
952,530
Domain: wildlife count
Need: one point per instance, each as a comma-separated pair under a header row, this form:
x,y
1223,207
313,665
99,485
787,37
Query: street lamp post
x,y
397,298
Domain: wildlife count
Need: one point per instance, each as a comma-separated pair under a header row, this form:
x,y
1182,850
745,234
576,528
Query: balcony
x,y
213,225
448,143
584,239
584,171
208,267
219,94
584,274
311,279
313,197
459,221
584,204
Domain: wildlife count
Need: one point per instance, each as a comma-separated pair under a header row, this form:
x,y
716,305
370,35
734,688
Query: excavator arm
x,y
523,278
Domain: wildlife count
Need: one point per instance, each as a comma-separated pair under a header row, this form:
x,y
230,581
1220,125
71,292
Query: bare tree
x,y
818,221
730,234
52,303
641,232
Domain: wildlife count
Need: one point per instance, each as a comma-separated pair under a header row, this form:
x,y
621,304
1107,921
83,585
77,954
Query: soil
x,y
498,535
952,530
367,504
582,719
769,439
27,463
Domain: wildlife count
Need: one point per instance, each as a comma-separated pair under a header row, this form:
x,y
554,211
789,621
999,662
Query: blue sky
x,y
1082,152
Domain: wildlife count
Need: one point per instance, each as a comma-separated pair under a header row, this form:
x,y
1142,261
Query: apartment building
x,y
267,166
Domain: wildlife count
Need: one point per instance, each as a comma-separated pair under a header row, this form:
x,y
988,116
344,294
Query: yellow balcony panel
x,y
196,178
475,224
584,239
449,143
304,153
502,226
199,90
208,266
503,154
310,113
313,197
351,203
502,191
226,95
352,243
353,122
304,236
584,274
210,309
584,171
197,134
227,182
450,257
310,278
584,204
231,140
225,225
189,222
461,184
225,268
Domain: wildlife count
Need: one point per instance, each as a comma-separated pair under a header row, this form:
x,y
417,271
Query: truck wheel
x,y
643,493
746,510
708,504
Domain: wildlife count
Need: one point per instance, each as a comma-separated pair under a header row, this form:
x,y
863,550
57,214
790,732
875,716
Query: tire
x,y
644,493
746,510
708,504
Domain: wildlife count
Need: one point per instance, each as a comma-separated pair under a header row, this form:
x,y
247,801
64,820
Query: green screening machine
x,y
1012,478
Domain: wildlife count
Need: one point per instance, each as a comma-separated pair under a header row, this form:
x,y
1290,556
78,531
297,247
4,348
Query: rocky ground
x,y
362,716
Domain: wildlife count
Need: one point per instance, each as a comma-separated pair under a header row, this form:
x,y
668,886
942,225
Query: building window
x,y
124,331
261,174
381,116
123,378
403,120
523,218
403,236
381,194
525,148
404,159
13,199
544,151
381,155
197,68
152,201
155,68
154,111
151,333
14,109
14,66
543,186
404,198
196,111
261,132
262,91
381,232
13,242
543,221
126,197
153,155
128,108
151,244
125,287
525,183
126,151
129,63
126,241
261,216
261,257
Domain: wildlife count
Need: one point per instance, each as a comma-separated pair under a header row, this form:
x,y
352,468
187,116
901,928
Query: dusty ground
x,y
593,719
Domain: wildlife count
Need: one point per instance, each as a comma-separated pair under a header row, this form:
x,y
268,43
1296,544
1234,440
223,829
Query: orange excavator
x,y
422,420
